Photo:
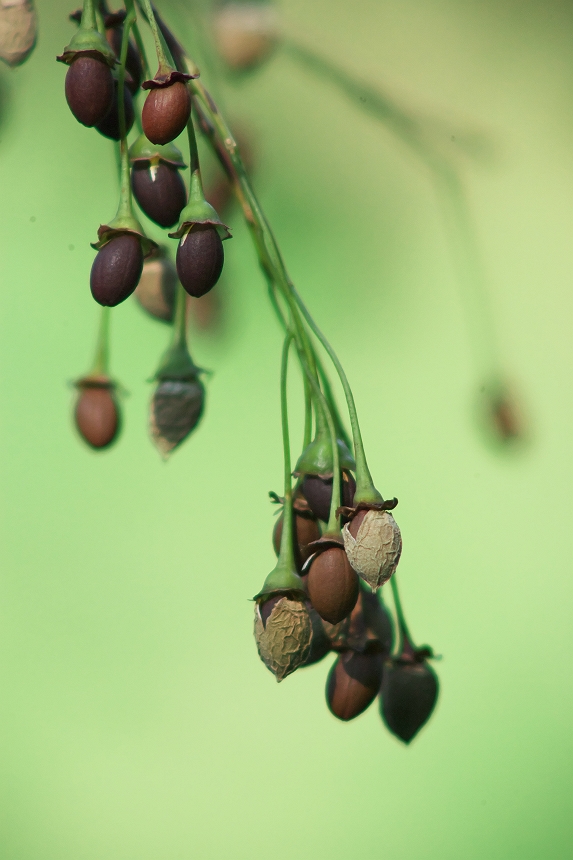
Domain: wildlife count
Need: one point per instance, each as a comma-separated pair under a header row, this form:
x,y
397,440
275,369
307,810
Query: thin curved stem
x,y
125,207
286,553
404,638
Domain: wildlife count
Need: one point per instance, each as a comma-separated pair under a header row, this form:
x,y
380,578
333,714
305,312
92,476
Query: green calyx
x,y
317,459
88,41
199,211
282,580
367,494
177,364
143,150
124,223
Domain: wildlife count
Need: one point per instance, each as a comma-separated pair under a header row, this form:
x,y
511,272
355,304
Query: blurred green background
x,y
136,721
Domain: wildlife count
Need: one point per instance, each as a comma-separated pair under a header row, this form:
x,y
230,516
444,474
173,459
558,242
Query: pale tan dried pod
x,y
373,545
18,29
284,640
156,289
245,33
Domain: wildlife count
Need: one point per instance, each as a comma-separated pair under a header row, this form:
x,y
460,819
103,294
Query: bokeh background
x,y
136,721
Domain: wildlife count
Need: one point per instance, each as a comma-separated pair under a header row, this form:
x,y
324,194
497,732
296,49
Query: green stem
x,y
180,319
164,60
404,638
88,16
286,554
195,181
101,360
142,51
125,207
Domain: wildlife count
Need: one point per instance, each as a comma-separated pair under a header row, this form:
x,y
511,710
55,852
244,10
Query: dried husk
x,y
18,28
176,408
284,642
375,552
245,33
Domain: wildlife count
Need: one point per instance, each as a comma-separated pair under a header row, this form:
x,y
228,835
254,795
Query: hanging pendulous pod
x,y
89,89
353,683
176,409
109,125
116,269
96,413
155,291
318,493
200,258
408,696
332,584
159,191
166,112
283,633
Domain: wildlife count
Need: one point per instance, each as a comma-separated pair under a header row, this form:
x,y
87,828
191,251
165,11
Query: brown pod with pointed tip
x,y
306,531
114,35
353,684
332,585
408,697
159,191
166,112
116,269
89,89
318,493
109,125
200,258
176,409
97,414
156,289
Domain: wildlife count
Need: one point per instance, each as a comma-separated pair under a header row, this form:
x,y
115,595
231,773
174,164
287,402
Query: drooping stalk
x,y
125,203
286,552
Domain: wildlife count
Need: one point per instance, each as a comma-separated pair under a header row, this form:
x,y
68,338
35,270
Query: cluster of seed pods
x,y
336,539
103,58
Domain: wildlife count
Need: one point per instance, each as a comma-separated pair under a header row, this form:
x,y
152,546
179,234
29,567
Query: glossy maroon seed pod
x,y
166,112
409,693
116,269
353,684
97,415
306,531
89,89
332,585
200,258
109,126
160,192
133,65
318,493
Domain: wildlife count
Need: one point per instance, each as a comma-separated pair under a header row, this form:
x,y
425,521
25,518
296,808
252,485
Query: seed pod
x,y
200,259
245,33
206,312
353,684
176,408
318,493
338,633
109,125
283,633
96,414
18,28
373,544
320,643
305,531
332,584
379,624
166,112
155,291
116,269
160,191
408,697
114,35
89,89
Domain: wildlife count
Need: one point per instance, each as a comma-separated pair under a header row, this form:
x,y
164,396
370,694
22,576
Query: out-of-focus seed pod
x,y
116,269
373,544
206,312
338,633
318,493
155,291
332,584
160,191
109,125
379,624
176,408
166,112
283,633
96,414
506,420
408,696
89,89
114,35
200,258
306,531
353,684
320,643
245,33
18,27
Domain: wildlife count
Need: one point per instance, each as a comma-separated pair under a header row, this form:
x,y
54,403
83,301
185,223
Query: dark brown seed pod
x,y
89,89
176,409
116,269
353,684
408,697
114,35
109,125
166,112
378,620
306,531
318,493
155,291
320,643
160,191
200,258
332,585
96,414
